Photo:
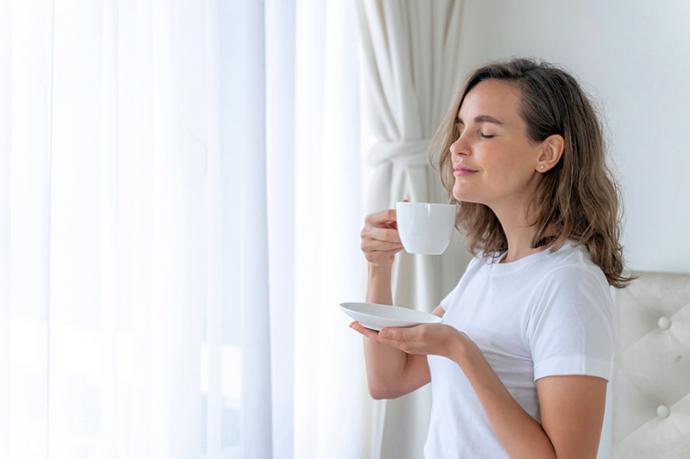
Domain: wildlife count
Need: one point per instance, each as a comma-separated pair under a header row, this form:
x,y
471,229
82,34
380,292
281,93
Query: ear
x,y
550,152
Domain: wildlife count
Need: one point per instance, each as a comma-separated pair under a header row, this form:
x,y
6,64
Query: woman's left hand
x,y
425,339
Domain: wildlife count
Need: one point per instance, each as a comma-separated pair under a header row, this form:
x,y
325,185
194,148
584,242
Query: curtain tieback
x,y
383,152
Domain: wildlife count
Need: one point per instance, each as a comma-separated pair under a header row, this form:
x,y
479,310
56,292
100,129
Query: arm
x,y
415,372
415,369
571,407
583,398
384,364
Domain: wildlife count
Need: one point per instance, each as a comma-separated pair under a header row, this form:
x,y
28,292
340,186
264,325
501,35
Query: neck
x,y
514,221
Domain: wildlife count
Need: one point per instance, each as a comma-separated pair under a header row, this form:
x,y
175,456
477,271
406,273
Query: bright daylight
x,y
344,229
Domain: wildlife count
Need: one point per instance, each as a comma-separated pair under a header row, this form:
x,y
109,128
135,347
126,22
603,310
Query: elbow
x,y
377,393
381,393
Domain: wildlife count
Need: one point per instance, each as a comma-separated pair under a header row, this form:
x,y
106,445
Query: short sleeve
x,y
448,301
571,327
452,297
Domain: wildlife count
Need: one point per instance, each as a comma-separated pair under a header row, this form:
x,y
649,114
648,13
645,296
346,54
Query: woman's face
x,y
493,142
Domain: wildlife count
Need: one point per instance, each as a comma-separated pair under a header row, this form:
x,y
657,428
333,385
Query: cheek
x,y
504,171
507,182
508,168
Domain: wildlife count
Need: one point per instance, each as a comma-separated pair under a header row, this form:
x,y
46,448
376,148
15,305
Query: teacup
x,y
425,228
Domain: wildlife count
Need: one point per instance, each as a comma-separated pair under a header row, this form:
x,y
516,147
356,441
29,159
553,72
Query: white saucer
x,y
377,316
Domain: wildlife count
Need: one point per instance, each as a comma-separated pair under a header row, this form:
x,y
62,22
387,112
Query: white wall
x,y
634,60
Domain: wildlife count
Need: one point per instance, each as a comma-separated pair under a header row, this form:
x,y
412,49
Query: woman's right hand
x,y
380,238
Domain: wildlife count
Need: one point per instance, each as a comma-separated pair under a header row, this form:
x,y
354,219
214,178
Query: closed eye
x,y
481,134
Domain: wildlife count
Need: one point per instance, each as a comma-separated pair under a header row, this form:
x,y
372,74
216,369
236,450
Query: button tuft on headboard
x,y
664,323
662,411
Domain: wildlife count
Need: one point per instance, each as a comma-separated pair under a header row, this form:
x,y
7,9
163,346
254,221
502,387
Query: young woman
x,y
519,365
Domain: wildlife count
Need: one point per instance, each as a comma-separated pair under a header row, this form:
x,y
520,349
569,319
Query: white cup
x,y
425,228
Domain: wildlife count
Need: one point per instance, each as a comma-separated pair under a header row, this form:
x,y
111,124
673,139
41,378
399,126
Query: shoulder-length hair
x,y
578,198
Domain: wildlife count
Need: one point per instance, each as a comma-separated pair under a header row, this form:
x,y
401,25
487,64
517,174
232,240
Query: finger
x,y
382,255
394,333
383,234
370,245
402,345
387,257
388,333
363,330
379,218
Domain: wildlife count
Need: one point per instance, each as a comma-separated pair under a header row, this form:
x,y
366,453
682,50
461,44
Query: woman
x,y
519,365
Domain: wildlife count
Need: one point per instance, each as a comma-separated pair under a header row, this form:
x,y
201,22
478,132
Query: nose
x,y
460,147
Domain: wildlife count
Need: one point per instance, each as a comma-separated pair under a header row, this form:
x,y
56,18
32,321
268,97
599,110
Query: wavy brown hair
x,y
577,199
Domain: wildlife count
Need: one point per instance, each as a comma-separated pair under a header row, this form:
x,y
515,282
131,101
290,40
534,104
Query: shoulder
x,y
571,265
572,285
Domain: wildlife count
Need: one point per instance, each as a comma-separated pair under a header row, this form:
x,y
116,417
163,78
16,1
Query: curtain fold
x,y
5,128
411,62
330,386
180,208
110,225
256,428
280,128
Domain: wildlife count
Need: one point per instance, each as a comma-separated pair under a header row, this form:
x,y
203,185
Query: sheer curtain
x,y
332,406
111,268
180,207
301,194
411,62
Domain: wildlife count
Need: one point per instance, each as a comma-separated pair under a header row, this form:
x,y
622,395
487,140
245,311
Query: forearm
x,y
384,363
379,285
518,432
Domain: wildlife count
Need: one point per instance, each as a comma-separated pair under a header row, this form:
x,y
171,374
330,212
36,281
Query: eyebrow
x,y
481,119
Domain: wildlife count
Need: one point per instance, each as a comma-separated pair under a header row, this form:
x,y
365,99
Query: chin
x,y
475,201
464,196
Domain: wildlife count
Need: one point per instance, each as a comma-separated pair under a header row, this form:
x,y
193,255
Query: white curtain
x,y
302,200
331,403
180,207
111,205
411,62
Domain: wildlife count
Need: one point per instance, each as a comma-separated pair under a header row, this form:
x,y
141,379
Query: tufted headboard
x,y
649,409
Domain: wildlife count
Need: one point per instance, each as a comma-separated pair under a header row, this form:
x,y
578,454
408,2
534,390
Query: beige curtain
x,y
411,67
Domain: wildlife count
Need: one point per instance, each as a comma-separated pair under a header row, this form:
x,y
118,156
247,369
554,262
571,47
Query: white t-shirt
x,y
549,313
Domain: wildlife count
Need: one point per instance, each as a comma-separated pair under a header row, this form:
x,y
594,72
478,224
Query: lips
x,y
460,168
